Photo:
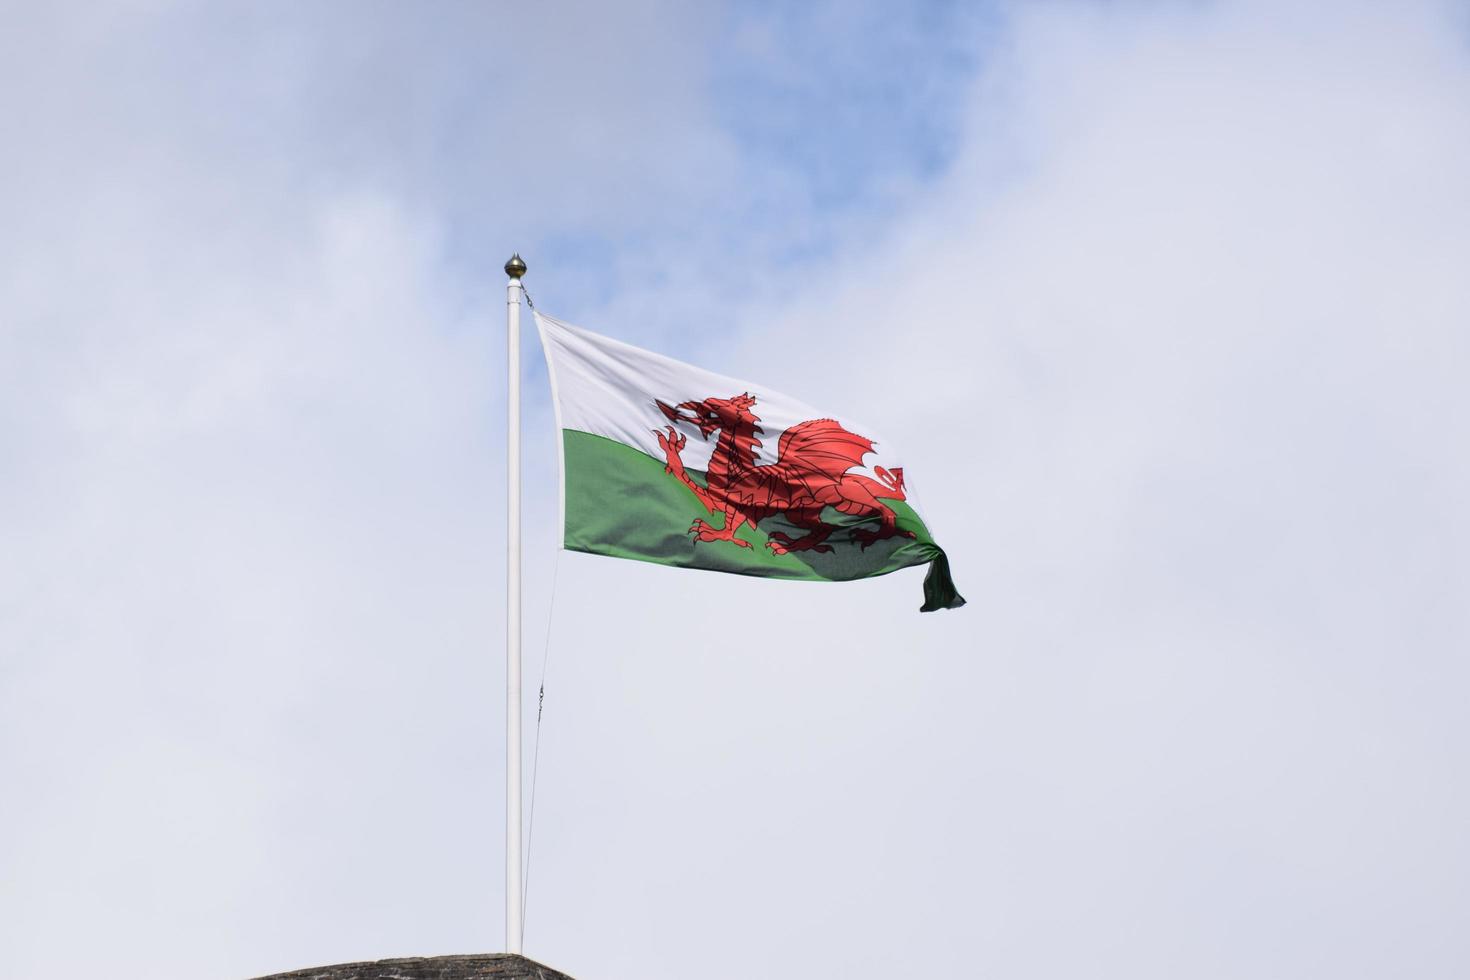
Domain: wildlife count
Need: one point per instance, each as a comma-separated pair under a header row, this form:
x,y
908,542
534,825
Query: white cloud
x,y
1174,345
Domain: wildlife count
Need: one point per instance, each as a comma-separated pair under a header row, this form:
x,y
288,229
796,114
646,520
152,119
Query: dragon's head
x,y
713,413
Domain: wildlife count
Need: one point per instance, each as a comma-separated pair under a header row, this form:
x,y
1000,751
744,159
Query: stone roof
x,y
500,966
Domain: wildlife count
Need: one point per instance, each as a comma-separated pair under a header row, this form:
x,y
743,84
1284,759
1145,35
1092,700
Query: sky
x,y
1165,303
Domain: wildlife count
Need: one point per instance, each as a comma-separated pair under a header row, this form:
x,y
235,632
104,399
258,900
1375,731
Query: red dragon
x,y
809,474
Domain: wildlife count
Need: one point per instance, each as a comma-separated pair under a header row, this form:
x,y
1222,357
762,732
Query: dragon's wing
x,y
820,448
810,457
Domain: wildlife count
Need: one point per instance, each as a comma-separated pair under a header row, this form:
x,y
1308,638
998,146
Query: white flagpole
x,y
515,268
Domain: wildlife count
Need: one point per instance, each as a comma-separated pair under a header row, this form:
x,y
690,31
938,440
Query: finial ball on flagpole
x,y
516,267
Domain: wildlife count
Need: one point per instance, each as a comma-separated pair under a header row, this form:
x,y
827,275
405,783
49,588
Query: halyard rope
x,y
536,750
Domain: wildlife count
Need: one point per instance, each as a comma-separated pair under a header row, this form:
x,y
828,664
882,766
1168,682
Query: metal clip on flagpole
x,y
515,269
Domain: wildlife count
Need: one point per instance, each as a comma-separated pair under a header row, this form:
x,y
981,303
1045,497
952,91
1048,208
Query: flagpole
x,y
515,268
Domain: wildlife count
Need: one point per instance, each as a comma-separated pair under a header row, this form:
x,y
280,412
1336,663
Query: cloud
x,y
1164,307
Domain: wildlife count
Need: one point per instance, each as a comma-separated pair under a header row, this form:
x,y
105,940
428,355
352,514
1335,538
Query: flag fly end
x,y
939,588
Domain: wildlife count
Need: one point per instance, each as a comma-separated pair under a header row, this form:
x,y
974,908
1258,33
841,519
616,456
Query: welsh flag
x,y
665,462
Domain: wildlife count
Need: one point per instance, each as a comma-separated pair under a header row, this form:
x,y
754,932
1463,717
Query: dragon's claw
x,y
782,543
706,532
672,443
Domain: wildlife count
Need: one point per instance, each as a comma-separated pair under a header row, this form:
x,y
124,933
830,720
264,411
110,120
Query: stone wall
x,y
500,966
